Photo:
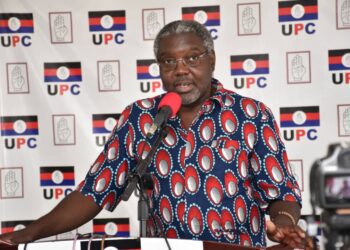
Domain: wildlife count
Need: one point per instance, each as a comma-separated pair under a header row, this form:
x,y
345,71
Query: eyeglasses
x,y
193,61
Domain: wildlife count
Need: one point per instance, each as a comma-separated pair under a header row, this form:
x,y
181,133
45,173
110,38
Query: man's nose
x,y
181,67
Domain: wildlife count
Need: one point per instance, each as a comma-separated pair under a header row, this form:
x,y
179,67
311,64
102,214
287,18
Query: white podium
x,y
130,243
115,244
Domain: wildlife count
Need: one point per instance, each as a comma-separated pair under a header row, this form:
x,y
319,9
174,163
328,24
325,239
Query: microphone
x,y
168,107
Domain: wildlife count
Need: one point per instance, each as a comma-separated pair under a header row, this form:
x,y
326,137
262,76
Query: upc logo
x,y
12,26
106,26
18,131
297,16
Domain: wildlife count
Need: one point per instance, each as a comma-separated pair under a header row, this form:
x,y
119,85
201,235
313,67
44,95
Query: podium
x,y
132,243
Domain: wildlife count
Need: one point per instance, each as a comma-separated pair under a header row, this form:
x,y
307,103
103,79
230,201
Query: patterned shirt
x,y
213,181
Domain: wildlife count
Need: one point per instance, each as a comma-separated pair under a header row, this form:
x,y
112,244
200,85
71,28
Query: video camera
x,y
330,191
330,178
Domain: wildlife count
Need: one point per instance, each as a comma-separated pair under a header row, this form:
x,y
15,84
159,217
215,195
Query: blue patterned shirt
x,y
213,181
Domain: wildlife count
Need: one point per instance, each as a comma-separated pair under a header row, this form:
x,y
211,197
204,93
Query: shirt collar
x,y
220,92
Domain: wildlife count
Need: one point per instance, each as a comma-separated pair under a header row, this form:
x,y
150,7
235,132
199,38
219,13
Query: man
x,y
221,168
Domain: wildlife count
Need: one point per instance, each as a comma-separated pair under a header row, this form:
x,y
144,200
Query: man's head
x,y
185,53
180,27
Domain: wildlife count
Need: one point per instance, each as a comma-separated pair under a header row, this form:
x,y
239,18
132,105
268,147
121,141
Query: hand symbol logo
x,y
11,184
345,13
63,131
17,80
153,26
108,78
60,29
248,20
346,120
298,69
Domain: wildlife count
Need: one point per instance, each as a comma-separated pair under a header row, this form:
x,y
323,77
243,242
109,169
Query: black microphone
x,y
168,107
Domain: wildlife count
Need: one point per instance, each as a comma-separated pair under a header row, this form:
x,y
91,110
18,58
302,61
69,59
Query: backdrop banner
x,y
68,69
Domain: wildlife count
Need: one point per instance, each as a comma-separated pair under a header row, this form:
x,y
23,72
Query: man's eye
x,y
192,58
169,61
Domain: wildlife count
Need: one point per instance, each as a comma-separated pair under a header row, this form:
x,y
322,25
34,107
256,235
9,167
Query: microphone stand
x,y
141,178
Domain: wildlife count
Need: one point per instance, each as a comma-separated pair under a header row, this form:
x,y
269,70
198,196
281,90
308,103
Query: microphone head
x,y
173,101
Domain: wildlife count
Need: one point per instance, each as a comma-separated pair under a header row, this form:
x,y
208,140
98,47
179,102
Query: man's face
x,y
193,84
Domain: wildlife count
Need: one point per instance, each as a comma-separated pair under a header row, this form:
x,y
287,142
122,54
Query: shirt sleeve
x,y
271,173
105,181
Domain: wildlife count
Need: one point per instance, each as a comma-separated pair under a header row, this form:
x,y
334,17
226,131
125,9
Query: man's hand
x,y
289,235
5,242
6,246
64,217
12,239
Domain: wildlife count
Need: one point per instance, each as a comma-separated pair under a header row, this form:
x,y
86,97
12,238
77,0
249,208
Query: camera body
x,y
330,179
330,191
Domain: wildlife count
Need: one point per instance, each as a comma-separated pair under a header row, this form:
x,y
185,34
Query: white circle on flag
x,y
153,70
111,248
346,60
19,126
299,117
298,11
201,17
249,65
107,21
111,228
110,123
62,73
14,23
57,177
19,227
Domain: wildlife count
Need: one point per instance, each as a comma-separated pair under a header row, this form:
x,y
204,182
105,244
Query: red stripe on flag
x,y
7,230
50,72
309,116
9,125
213,15
48,176
188,16
210,15
75,72
120,228
98,124
23,23
27,23
259,64
3,23
310,9
288,10
284,11
142,69
53,72
6,125
99,228
31,125
335,60
116,20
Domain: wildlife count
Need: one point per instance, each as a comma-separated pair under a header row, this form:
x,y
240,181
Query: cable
x,y
75,240
103,242
90,240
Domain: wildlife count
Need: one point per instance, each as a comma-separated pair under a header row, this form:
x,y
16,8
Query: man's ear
x,y
212,60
